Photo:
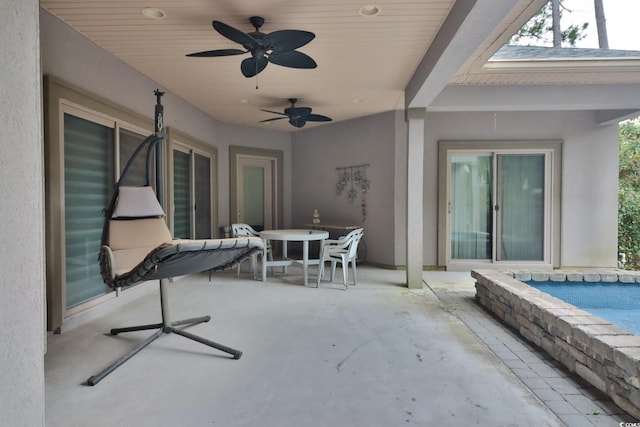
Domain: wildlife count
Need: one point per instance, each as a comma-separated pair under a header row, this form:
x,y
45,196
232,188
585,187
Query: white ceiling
x,y
364,63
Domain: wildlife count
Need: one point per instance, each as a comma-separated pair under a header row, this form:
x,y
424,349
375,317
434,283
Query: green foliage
x,y
574,33
629,194
539,30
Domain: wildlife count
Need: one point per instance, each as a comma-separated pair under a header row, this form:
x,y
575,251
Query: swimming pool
x,y
598,350
618,303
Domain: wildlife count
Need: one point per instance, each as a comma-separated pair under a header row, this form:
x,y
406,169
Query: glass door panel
x,y
253,196
202,179
470,207
88,177
255,192
181,195
137,175
521,207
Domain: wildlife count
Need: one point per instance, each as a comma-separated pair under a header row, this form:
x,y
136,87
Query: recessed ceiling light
x,y
153,13
369,10
357,100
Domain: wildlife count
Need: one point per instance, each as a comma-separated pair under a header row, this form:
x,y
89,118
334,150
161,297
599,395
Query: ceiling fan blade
x,y
235,35
317,118
274,112
292,59
297,122
270,120
286,40
252,66
217,52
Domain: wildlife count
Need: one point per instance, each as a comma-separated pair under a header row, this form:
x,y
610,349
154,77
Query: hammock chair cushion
x,y
138,245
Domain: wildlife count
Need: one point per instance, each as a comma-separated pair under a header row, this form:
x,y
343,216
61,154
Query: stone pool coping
x,y
605,355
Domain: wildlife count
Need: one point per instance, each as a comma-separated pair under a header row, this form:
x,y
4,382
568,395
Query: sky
x,y
622,17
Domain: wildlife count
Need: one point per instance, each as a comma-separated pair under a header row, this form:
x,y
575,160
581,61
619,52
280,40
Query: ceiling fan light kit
x,y
278,47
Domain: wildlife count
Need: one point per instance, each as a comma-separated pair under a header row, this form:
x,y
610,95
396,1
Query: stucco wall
x,y
317,152
589,174
22,334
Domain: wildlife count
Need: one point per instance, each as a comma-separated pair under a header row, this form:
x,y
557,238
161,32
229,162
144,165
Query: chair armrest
x,y
335,244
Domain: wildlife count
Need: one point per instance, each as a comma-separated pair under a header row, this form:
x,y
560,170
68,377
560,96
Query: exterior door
x,y
255,192
498,207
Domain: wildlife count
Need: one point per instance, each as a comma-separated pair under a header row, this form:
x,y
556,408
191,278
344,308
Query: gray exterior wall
x,y
22,336
589,203
373,140
589,177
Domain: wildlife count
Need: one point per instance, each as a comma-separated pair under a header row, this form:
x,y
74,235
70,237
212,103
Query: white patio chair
x,y
245,230
344,251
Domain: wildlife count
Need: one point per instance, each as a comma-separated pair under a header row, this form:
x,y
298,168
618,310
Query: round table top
x,y
295,234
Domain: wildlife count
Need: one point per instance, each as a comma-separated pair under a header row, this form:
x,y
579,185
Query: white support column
x,y
415,196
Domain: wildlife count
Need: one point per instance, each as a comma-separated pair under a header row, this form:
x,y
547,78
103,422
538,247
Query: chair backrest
x,y
137,226
355,237
243,230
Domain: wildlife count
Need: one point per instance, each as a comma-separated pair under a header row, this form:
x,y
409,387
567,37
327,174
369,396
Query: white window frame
x,y
60,99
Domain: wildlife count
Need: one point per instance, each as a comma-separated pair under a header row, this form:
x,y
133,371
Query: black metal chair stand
x,y
166,327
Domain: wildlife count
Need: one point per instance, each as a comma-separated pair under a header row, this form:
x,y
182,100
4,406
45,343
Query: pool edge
x,y
605,355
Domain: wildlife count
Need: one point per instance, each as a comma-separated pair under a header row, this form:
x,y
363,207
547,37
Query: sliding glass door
x,y
192,194
88,178
498,206
90,147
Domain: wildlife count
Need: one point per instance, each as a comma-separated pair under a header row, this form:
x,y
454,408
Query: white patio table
x,y
292,235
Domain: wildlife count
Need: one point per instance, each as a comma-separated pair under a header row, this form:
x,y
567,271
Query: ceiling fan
x,y
277,47
298,116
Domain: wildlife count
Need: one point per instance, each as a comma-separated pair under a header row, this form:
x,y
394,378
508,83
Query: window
x,y
87,148
90,146
88,143
192,188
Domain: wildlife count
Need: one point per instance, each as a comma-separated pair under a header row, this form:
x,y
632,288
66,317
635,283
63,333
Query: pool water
x,y
618,303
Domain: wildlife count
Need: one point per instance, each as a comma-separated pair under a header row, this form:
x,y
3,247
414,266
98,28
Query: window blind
x,y
88,156
181,196
202,166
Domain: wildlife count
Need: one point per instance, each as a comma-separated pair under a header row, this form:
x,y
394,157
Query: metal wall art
x,y
354,177
354,180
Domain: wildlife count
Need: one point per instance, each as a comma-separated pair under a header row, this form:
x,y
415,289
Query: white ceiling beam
x,y
463,32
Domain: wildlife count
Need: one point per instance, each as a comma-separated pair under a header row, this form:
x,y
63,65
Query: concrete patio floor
x,y
378,354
